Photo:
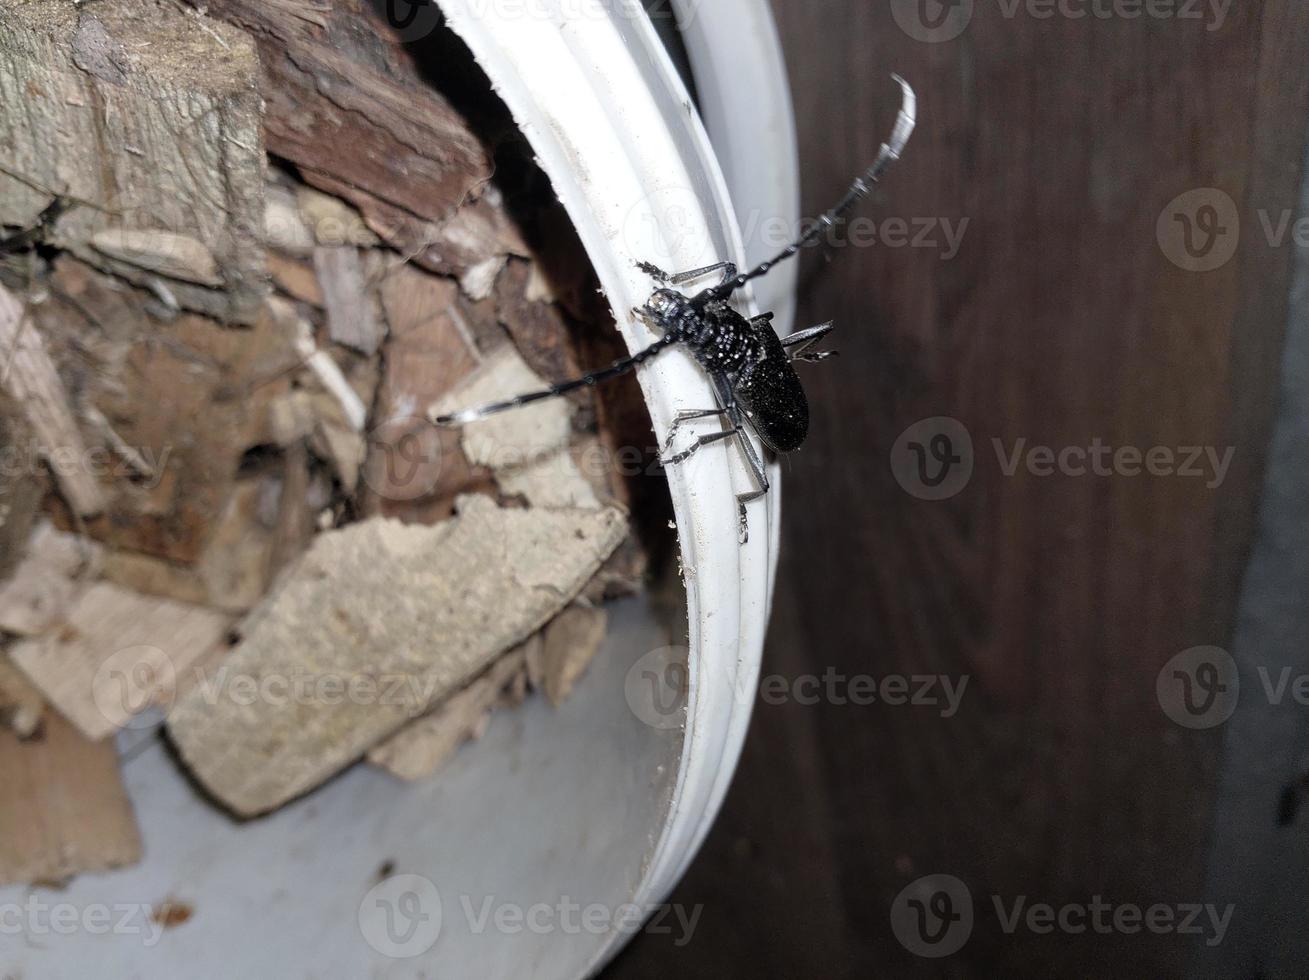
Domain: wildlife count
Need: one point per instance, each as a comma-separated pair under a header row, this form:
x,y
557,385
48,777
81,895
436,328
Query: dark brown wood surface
x,y
1060,321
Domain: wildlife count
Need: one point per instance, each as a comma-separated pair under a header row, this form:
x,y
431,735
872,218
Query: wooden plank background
x,y
1060,320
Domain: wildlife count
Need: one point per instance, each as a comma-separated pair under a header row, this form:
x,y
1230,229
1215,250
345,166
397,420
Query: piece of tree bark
x,y
29,377
63,810
172,184
349,107
572,641
423,746
116,653
393,617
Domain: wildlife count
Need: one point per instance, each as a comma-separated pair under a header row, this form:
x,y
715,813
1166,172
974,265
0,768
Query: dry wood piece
x,y
21,703
29,377
347,105
237,562
528,449
551,482
511,439
22,482
331,221
296,279
54,570
422,747
116,654
571,642
414,470
352,315
192,401
63,810
383,620
173,180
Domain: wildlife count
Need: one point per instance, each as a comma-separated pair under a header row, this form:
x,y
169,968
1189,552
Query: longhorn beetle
x,y
749,365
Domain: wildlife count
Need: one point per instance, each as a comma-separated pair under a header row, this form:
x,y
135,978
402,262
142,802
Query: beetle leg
x,y
653,271
807,338
699,444
682,417
728,398
761,477
802,341
729,273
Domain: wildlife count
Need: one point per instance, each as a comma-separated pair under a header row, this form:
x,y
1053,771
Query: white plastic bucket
x,y
538,850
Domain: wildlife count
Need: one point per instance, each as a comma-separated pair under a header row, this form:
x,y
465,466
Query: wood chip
x,y
554,481
352,314
422,747
399,615
331,221
116,654
154,576
193,403
23,483
572,641
296,279
63,811
164,252
512,439
29,377
236,564
175,171
415,470
479,281
55,569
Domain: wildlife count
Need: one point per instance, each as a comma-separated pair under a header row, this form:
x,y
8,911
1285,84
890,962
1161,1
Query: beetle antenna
x,y
860,189
614,370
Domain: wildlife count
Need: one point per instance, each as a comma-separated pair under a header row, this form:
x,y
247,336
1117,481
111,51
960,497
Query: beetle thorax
x,y
715,333
720,338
